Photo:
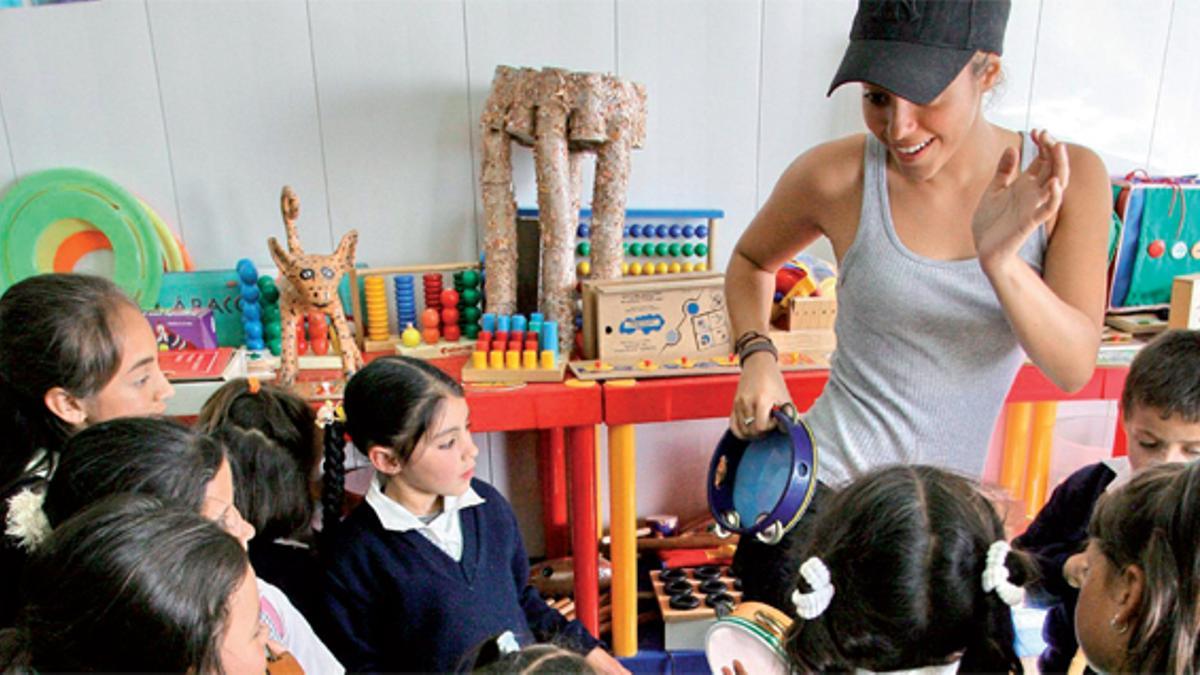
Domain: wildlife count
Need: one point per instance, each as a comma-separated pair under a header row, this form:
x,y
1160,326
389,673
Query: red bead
x,y
430,318
451,332
449,298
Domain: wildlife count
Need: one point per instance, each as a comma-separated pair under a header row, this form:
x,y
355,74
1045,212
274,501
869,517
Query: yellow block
x,y
479,360
529,359
548,360
512,360
496,359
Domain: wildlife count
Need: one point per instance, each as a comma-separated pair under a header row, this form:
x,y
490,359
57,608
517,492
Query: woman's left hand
x,y
1016,202
602,662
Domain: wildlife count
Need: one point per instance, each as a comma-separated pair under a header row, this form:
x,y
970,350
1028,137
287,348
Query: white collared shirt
x,y
444,531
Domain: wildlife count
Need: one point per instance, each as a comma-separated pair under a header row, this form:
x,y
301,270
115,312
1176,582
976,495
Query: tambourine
x,y
762,486
753,634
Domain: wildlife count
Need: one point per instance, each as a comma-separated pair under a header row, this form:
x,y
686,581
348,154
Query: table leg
x,y
583,526
1017,420
552,467
1036,485
622,455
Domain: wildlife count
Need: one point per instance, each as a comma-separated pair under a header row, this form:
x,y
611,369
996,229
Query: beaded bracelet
x,y
764,345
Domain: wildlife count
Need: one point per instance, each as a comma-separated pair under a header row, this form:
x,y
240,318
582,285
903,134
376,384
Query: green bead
x,y
470,278
471,331
272,331
625,249
701,250
276,346
470,314
660,249
584,248
267,288
469,296
687,250
635,249
673,249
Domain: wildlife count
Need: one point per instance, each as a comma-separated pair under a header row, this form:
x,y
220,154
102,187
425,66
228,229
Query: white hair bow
x,y
814,603
995,575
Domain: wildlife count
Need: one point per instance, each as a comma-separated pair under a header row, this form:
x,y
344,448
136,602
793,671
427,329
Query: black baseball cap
x,y
915,48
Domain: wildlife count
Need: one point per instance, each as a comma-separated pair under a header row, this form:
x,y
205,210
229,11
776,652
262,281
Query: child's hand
x,y
602,662
1075,569
738,669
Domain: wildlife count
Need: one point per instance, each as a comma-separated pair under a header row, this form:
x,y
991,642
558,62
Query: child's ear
x,y
1129,593
384,460
66,406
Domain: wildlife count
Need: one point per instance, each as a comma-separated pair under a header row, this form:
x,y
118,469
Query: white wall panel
x,y
241,115
802,45
1176,147
6,164
392,82
699,61
573,34
1098,68
1009,105
79,90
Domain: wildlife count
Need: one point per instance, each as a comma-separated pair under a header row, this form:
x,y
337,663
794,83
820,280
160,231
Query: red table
x,y
683,398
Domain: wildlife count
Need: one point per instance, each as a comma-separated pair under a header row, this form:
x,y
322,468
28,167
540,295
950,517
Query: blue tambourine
x,y
763,486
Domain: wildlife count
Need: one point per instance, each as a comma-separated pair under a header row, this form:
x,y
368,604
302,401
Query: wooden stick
x,y
413,269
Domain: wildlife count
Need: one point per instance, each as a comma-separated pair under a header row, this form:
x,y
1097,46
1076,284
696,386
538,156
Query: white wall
x,y
369,108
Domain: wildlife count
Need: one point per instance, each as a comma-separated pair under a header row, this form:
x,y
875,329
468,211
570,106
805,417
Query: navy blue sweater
x,y
1059,532
396,602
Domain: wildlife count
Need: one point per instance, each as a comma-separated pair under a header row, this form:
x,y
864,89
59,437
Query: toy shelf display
x,y
387,316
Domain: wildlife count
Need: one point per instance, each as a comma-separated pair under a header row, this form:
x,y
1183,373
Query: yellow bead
x,y
676,268
688,267
411,337
585,268
648,269
661,268
624,268
700,267
635,269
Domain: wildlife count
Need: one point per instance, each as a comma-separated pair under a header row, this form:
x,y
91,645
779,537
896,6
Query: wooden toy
x,y
312,286
687,621
509,358
561,115
687,366
396,319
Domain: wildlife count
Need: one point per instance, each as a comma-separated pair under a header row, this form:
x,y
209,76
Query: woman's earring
x,y
1120,629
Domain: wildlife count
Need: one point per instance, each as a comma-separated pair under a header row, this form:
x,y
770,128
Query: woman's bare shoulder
x,y
829,171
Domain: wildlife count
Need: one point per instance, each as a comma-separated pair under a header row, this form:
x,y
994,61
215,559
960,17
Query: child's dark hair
x,y
128,584
146,455
490,657
55,331
391,403
1153,522
906,549
269,489
1163,376
283,416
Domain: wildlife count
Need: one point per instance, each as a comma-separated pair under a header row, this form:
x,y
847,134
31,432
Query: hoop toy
x,y
61,205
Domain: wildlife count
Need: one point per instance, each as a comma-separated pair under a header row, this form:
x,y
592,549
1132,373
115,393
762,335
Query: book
x,y
199,365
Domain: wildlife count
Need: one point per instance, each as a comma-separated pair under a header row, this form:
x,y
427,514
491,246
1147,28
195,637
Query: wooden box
x,y
1185,302
661,318
808,314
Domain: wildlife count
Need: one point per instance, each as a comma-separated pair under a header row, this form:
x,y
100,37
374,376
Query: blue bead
x,y
688,231
635,230
674,231
251,312
660,231
583,230
702,231
246,271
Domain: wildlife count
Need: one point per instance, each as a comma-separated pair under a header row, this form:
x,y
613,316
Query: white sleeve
x,y
298,636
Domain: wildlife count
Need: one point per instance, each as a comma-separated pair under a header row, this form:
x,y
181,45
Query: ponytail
x,y
333,482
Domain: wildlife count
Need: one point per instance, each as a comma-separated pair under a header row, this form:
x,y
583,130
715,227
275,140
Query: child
x,y
1139,607
1161,411
908,568
501,654
162,459
74,350
131,585
432,563
272,494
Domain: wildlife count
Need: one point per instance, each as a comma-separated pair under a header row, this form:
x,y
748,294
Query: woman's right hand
x,y
760,388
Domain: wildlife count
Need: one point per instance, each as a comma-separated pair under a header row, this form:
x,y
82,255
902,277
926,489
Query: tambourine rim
x,y
758,632
809,490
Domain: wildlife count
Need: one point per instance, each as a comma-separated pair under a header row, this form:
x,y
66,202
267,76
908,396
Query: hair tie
x,y
506,643
253,385
329,413
814,603
995,575
26,520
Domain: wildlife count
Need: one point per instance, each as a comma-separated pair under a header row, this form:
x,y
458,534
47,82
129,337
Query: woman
x,y
963,247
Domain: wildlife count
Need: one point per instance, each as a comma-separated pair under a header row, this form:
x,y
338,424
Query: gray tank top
x,y
925,355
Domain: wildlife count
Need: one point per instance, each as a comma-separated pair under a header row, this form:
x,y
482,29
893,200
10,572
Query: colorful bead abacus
x,y
444,324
